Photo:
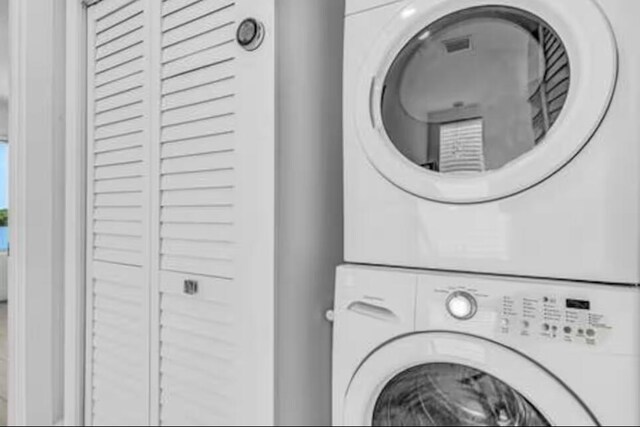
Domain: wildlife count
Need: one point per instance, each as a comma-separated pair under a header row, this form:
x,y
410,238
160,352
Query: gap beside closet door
x,y
181,191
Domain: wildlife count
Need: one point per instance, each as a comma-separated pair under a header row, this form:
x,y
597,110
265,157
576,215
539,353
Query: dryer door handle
x,y
372,310
372,105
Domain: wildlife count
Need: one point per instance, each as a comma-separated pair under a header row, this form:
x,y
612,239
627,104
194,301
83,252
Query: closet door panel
x,y
117,364
199,350
216,186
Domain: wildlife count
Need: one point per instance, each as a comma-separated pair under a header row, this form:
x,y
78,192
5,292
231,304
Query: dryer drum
x,y
444,394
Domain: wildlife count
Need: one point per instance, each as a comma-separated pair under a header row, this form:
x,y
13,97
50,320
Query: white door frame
x,y
36,133
75,216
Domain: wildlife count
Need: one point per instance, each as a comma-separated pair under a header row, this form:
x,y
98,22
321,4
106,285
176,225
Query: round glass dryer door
x,y
451,379
476,90
473,101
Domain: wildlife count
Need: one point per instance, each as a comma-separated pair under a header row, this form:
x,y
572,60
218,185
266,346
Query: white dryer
x,y
496,136
440,349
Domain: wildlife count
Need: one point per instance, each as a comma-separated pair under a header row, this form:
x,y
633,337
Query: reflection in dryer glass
x,y
476,90
452,395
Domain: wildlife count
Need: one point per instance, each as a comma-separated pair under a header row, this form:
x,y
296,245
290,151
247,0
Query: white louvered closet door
x,y
117,357
181,214
216,214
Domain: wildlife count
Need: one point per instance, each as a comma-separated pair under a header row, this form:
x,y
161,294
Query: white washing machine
x,y
496,136
440,349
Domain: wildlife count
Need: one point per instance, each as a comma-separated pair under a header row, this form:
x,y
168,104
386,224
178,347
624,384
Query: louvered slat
x,y
222,69
203,215
217,89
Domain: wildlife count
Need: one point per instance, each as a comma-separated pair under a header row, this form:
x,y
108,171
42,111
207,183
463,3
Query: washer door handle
x,y
375,311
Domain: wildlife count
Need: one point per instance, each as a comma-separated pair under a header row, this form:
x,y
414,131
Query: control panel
x,y
534,316
548,316
552,317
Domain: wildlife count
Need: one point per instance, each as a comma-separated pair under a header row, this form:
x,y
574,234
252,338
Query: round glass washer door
x,y
447,394
449,379
469,101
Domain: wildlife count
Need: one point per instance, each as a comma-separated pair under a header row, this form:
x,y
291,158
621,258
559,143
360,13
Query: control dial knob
x,y
462,305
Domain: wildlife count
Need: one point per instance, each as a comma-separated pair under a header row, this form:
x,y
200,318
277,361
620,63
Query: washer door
x,y
447,379
468,101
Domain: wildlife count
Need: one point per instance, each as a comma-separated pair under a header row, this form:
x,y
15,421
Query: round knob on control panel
x,y
462,305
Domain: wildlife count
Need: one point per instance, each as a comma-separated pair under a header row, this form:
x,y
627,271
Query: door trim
x,y
36,263
75,216
558,404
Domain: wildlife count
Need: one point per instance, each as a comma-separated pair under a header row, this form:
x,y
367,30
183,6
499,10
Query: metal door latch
x,y
190,287
250,34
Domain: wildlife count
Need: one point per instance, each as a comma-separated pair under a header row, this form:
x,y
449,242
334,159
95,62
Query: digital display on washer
x,y
577,304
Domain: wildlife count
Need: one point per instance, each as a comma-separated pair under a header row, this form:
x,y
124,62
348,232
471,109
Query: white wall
x,y
309,227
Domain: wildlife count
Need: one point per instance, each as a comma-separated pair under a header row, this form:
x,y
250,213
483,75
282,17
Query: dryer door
x,y
468,101
440,379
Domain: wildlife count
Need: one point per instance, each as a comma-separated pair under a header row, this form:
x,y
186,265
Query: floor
x,y
4,357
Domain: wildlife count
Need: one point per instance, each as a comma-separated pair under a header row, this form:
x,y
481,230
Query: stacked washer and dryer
x,y
492,191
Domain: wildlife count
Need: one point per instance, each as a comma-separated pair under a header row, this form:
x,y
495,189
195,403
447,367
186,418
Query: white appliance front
x,y
494,136
417,348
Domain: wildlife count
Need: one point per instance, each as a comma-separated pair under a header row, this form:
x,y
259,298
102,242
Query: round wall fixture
x,y
250,34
